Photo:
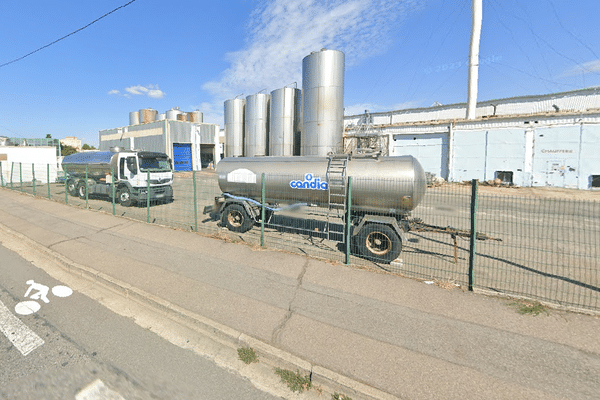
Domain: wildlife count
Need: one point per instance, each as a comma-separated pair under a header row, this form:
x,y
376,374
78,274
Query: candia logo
x,y
310,182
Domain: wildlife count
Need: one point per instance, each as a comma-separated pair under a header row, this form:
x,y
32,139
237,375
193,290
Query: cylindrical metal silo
x,y
257,125
234,127
195,116
323,103
134,118
284,121
182,117
173,113
147,115
161,117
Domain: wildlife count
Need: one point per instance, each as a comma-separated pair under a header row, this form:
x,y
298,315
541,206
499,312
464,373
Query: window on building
x,y
505,176
596,181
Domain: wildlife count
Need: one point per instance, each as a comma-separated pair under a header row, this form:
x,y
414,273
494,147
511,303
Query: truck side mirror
x,y
131,165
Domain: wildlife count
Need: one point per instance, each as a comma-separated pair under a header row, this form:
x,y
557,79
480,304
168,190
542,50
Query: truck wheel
x,y
124,197
236,219
72,187
81,189
378,242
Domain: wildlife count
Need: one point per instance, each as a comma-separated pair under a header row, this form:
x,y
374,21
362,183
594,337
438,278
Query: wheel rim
x,y
379,243
124,196
235,218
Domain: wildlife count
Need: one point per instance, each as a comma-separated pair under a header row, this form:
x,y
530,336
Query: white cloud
x,y
590,67
151,91
283,32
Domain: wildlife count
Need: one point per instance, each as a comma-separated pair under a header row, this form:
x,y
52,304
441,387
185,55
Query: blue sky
x,y
197,54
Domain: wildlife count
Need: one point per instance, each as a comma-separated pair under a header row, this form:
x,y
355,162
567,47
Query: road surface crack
x,y
279,328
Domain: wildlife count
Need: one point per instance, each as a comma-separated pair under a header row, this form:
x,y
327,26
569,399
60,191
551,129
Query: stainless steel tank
x,y
322,103
257,125
387,185
195,116
134,118
172,114
234,127
284,121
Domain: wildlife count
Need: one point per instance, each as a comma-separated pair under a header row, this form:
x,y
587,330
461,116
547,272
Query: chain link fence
x,y
540,244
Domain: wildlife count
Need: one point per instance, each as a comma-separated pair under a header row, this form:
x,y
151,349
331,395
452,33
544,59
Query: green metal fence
x,y
541,244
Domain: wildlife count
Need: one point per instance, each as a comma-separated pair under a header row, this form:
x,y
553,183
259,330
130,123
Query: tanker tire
x,y
81,189
236,219
378,242
72,187
124,197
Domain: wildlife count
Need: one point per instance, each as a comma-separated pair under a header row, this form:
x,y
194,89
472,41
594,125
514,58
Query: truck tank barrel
x,y
384,184
99,163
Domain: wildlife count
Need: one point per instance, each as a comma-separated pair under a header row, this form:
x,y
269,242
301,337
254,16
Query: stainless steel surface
x,y
284,121
172,114
234,127
195,116
379,184
134,118
322,103
98,163
257,125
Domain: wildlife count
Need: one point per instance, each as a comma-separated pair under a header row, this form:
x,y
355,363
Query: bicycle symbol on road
x,y
37,291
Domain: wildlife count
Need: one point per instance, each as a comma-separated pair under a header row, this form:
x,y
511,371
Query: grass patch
x,y
294,380
529,308
247,355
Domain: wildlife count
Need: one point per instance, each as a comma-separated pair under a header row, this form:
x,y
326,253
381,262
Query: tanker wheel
x,y
236,218
124,197
379,242
81,189
72,187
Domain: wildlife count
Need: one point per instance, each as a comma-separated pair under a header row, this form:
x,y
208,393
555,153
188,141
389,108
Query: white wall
x,y
19,160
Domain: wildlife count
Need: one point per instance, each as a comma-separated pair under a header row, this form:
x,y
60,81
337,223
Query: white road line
x,y
23,338
97,390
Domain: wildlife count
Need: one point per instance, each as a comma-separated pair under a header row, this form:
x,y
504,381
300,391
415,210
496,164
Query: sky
x,y
100,60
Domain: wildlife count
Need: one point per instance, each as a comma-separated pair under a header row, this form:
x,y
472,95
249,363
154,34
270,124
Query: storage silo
x,y
322,103
134,118
147,115
257,125
172,114
284,121
234,127
196,117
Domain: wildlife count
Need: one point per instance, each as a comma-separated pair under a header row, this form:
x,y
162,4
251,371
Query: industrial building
x,y
546,140
190,143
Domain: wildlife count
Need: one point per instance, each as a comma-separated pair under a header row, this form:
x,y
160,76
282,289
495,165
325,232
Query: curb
x,y
215,331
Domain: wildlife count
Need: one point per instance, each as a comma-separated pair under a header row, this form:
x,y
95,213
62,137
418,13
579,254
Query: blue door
x,y
182,156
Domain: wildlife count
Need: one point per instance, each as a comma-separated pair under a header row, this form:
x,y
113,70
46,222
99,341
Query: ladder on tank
x,y
337,189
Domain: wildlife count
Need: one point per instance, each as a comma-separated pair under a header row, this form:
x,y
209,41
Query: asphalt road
x,y
76,347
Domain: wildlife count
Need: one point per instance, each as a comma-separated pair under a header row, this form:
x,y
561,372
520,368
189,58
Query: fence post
x,y
148,197
112,184
66,185
33,176
262,210
474,184
21,175
195,202
12,168
86,187
48,179
348,220
1,175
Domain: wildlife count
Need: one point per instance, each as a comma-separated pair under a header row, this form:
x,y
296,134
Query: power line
x,y
66,36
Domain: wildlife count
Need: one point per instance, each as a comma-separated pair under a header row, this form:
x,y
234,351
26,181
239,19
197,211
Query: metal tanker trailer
x,y
384,191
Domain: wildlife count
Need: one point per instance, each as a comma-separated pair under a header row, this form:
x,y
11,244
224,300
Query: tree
x,y
67,150
88,147
48,136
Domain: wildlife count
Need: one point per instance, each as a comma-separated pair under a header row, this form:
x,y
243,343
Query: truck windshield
x,y
154,163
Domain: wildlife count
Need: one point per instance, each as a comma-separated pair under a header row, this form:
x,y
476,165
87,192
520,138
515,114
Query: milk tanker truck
x,y
131,169
384,192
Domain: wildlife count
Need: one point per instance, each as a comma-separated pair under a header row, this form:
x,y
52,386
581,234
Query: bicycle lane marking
x,y
23,338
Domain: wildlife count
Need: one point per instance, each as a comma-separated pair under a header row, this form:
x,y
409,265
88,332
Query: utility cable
x,y
66,36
